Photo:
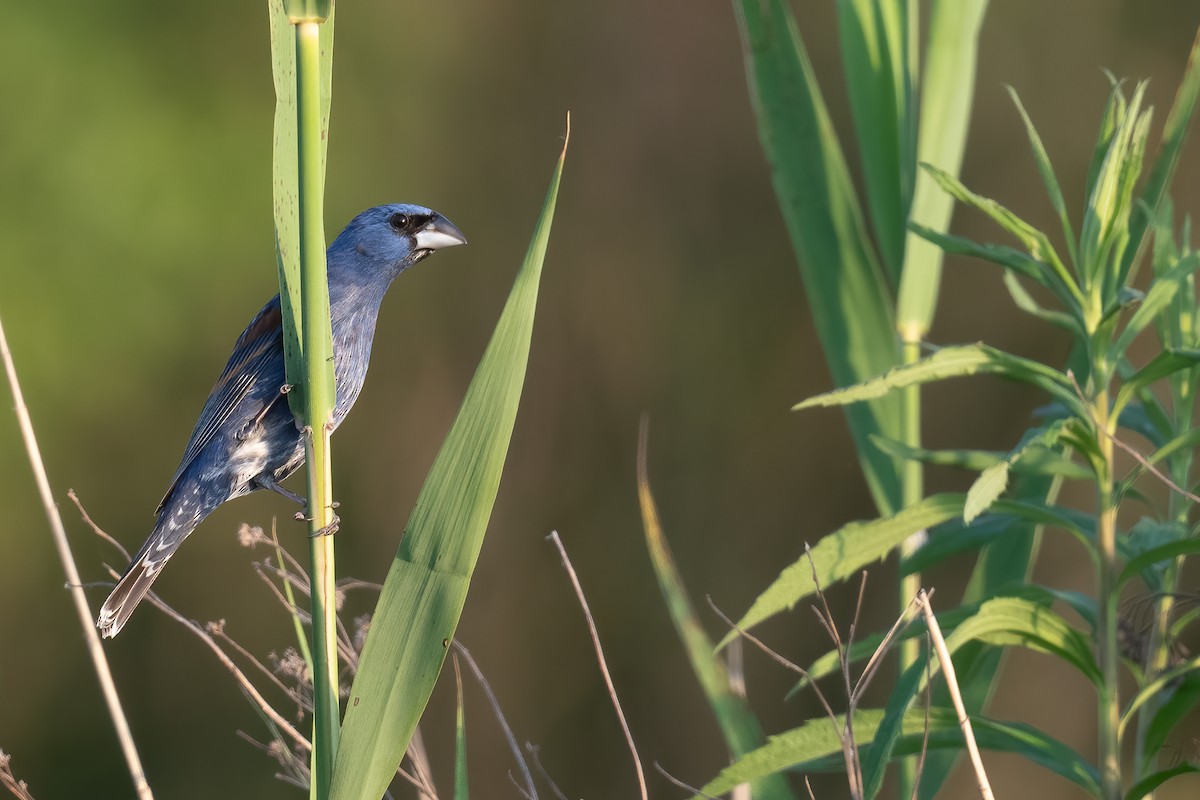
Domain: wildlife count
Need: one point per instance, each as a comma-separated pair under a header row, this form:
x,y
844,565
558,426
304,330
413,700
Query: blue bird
x,y
246,438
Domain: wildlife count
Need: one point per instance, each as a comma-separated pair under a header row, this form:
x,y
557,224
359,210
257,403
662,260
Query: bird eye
x,y
398,221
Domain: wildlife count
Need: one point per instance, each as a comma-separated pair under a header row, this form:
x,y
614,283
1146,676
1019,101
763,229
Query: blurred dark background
x,y
135,243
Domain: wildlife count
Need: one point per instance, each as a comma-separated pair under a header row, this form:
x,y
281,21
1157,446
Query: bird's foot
x,y
328,529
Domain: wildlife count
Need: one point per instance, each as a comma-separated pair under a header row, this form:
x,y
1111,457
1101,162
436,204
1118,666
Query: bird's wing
x,y
257,356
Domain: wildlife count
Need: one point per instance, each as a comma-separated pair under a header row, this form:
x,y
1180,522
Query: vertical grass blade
x,y
285,174
302,85
426,587
846,288
739,726
947,87
876,37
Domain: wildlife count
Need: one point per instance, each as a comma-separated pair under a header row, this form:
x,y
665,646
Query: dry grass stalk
x,y
939,645
19,789
612,692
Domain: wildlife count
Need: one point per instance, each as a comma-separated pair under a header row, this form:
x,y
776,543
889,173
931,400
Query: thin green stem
x,y
912,489
1109,701
1158,649
317,344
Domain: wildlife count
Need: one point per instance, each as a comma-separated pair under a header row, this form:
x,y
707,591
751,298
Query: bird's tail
x,y
172,529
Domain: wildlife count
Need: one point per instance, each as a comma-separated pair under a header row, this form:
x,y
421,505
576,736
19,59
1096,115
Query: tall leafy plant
x,y
1095,404
871,285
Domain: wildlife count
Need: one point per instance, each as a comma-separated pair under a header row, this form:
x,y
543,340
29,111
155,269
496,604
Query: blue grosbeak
x,y
246,438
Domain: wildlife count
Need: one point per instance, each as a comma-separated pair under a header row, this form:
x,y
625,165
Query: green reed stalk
x,y
318,402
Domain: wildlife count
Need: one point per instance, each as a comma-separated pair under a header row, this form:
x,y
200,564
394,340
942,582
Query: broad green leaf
x,y
1011,737
739,726
284,175
845,286
841,554
875,37
994,480
815,747
947,88
1006,621
953,362
426,587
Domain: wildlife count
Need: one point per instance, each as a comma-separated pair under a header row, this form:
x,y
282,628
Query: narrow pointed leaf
x,y
953,362
1162,172
1025,302
1046,170
1157,555
1036,242
846,289
426,587
1007,257
814,747
1162,365
1035,460
1147,785
811,741
1162,292
841,554
1183,701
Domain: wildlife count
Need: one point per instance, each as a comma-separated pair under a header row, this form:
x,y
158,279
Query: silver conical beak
x,y
439,232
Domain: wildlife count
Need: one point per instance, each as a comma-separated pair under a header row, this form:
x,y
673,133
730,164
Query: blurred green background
x,y
135,243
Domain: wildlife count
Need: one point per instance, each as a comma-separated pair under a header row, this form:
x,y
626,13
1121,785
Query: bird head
x,y
382,242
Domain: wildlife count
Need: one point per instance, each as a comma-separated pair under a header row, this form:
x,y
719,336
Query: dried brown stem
x,y
612,692
943,653
19,789
530,789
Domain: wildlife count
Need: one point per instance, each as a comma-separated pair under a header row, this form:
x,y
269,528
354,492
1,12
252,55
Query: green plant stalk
x,y
913,487
1109,700
318,401
1159,647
